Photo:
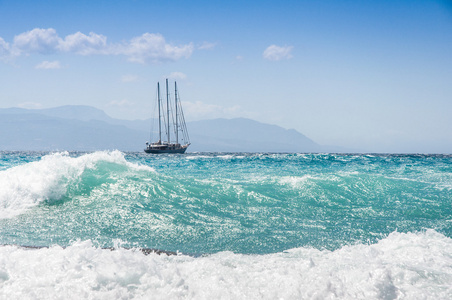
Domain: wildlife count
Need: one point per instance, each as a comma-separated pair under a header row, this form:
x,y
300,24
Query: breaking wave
x,y
400,266
54,176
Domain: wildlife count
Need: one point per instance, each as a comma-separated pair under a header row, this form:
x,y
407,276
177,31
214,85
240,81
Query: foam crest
x,y
27,185
193,157
411,266
295,181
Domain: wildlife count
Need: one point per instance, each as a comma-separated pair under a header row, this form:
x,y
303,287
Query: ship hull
x,y
167,149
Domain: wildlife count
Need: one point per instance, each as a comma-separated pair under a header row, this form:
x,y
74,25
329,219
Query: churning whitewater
x,y
245,226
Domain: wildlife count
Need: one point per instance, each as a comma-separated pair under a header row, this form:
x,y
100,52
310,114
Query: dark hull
x,y
158,150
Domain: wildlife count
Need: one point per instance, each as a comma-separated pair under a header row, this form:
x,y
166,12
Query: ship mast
x,y
160,118
167,110
175,104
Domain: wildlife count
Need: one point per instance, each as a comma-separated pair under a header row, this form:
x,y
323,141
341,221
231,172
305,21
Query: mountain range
x,y
85,128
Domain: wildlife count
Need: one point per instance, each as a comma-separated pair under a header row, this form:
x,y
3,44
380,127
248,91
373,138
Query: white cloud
x,y
129,78
151,47
207,46
276,53
43,41
177,75
148,47
49,65
80,43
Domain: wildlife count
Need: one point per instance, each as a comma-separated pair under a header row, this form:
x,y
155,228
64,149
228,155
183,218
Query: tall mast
x,y
167,110
160,122
175,104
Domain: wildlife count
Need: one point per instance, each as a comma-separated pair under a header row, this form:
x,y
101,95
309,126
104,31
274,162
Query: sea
x,y
115,225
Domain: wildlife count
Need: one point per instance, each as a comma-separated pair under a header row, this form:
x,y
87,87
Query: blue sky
x,y
367,75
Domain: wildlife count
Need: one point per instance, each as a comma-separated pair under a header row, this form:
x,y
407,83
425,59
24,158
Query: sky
x,y
369,76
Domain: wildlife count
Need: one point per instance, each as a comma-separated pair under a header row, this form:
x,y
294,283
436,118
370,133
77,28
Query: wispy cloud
x,y
276,53
147,48
32,105
4,48
49,65
177,76
207,46
129,78
201,110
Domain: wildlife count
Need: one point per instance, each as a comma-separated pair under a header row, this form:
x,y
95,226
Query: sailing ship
x,y
171,122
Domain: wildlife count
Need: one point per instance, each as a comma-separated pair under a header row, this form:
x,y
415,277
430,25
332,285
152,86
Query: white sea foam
x,y
231,156
227,156
27,185
295,181
402,266
223,156
192,157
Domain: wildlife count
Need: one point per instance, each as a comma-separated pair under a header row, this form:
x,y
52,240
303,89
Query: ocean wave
x,y
50,178
402,265
259,204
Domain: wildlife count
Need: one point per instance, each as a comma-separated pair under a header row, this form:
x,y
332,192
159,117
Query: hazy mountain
x,y
86,128
245,135
40,132
78,112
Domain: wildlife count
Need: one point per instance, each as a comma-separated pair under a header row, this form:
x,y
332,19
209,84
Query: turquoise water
x,y
248,226
206,203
